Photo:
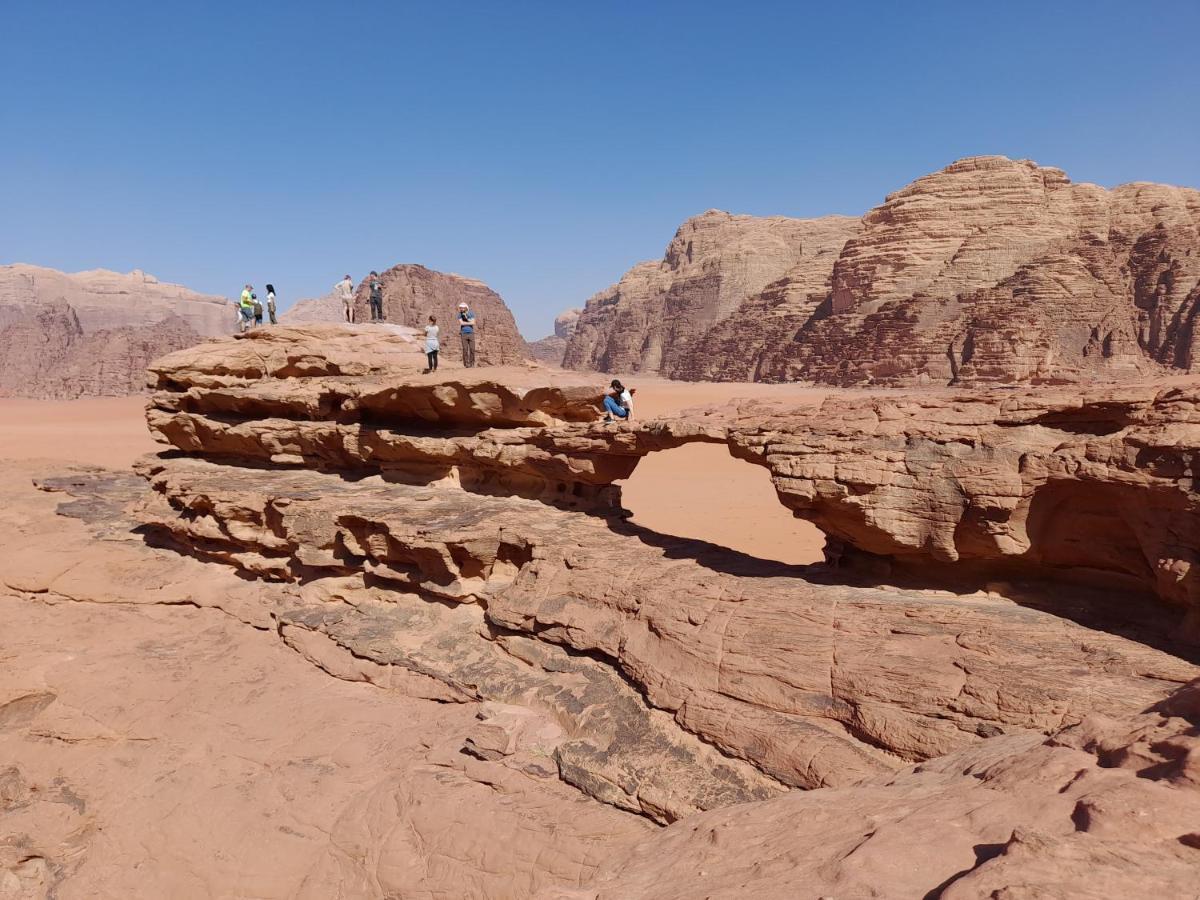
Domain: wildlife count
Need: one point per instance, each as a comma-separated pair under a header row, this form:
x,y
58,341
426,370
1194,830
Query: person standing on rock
x,y
432,343
345,290
376,297
466,329
258,310
246,308
271,303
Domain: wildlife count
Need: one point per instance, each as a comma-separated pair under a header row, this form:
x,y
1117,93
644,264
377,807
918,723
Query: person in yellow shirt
x,y
246,307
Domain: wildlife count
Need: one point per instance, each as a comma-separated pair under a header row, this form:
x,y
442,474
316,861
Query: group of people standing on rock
x,y
466,320
250,308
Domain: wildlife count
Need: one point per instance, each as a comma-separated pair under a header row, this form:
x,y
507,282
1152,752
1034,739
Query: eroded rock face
x,y
1105,808
1101,481
991,270
648,321
93,333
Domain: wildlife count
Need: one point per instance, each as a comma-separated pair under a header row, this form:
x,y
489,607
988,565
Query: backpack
x,y
257,309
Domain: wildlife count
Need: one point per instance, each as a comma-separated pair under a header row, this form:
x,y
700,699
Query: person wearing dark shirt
x,y
466,330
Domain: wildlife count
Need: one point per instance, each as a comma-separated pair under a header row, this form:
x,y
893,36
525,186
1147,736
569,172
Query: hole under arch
x,y
699,491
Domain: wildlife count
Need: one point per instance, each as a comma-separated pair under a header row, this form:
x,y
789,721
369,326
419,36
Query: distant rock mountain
x,y
327,308
411,293
550,349
93,333
649,319
991,270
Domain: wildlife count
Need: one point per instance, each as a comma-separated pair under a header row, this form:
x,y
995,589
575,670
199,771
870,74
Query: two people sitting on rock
x,y
618,401
466,330
432,344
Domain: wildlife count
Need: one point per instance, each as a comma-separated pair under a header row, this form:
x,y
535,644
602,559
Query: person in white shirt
x,y
618,402
345,290
432,344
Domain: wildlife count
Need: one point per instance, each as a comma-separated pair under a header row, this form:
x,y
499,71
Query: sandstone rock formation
x,y
568,677
94,333
691,638
714,263
1107,808
411,293
550,349
991,270
326,308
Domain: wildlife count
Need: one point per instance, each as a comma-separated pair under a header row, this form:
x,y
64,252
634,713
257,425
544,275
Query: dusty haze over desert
x,y
546,452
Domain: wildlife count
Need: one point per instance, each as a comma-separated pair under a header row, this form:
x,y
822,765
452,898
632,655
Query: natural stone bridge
x,y
1099,484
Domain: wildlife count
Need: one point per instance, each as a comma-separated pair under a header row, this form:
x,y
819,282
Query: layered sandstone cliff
x,y
991,270
646,321
93,333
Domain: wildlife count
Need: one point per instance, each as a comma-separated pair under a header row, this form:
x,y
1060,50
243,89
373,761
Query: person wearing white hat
x,y
466,330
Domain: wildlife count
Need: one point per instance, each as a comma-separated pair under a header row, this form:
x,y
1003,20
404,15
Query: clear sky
x,y
543,147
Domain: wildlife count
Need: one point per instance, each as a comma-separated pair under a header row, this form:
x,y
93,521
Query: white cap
x,y
462,306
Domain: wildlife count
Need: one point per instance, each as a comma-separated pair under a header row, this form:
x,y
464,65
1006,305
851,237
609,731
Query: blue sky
x,y
541,147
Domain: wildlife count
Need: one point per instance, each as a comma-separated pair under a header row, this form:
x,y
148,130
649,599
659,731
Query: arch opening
x,y
699,491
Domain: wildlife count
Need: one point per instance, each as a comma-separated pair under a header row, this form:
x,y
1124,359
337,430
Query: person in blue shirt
x,y
466,330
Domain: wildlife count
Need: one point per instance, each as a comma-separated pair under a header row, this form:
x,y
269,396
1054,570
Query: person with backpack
x,y
466,330
271,303
376,297
618,402
258,310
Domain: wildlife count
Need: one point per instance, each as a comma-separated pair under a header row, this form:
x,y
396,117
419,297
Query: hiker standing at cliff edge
x,y
271,303
345,290
466,329
375,287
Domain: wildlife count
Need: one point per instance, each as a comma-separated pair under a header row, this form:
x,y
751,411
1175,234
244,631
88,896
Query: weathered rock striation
x,y
1106,808
437,527
93,333
991,270
550,349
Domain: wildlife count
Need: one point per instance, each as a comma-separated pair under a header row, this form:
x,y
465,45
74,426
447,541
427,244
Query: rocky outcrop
x,y
981,484
1102,809
445,515
716,261
93,333
550,349
991,270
